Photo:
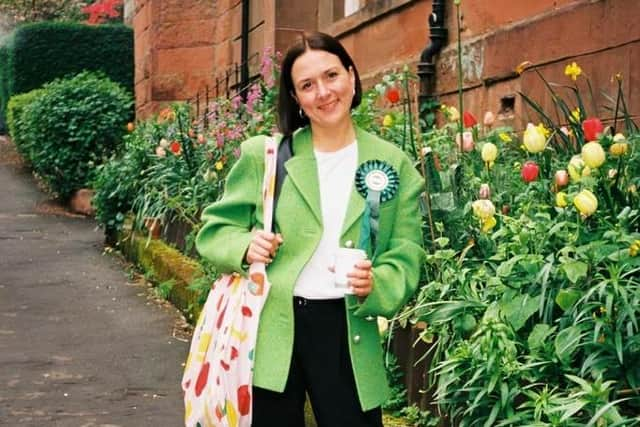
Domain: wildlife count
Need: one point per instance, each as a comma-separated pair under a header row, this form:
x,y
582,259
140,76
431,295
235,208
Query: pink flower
x,y
465,143
489,119
160,152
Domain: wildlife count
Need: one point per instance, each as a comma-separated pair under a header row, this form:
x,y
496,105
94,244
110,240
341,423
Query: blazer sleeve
x,y
397,270
226,233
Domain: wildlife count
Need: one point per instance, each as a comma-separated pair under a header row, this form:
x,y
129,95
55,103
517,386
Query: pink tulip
x,y
465,143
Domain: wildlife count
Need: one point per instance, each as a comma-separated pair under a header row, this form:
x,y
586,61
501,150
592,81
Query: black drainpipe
x,y
244,49
427,65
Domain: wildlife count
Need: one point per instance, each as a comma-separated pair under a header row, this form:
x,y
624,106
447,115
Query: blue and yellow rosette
x,y
377,181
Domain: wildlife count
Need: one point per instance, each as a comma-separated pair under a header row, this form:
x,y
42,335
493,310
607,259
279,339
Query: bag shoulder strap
x,y
285,152
274,175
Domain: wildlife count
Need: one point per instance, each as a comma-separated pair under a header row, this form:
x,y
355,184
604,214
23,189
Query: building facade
x,y
186,47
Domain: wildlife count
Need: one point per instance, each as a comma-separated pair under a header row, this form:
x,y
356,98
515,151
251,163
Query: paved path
x,y
80,344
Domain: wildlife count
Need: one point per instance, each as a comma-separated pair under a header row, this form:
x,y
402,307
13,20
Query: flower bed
x,y
531,294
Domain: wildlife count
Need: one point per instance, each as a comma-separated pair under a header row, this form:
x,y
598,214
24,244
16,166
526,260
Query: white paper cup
x,y
345,261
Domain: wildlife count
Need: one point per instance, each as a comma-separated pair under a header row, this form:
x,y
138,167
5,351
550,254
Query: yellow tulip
x,y
577,168
488,224
593,154
534,140
219,165
387,121
489,152
586,202
561,199
453,113
618,149
483,209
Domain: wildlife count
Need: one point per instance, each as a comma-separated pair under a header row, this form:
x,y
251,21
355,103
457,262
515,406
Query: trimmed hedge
x,y
72,126
41,52
4,79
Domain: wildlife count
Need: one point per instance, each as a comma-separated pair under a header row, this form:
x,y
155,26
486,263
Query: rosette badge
x,y
377,181
377,176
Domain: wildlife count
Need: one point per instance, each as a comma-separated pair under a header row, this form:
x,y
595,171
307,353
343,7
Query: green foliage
x,y
41,52
418,417
398,399
180,164
4,79
163,289
19,128
74,125
535,312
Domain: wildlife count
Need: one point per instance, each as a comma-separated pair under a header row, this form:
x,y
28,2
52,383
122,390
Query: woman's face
x,y
323,87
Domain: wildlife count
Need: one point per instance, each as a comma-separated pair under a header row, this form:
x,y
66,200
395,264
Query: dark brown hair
x,y
288,117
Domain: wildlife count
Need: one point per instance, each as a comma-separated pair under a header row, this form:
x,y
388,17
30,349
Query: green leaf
x,y
539,334
493,415
575,270
519,309
567,342
566,298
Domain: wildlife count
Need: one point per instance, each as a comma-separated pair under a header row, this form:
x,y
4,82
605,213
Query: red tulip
x,y
468,120
592,127
530,171
175,148
393,95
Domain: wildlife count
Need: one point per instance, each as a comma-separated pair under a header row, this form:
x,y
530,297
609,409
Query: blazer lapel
x,y
303,172
356,206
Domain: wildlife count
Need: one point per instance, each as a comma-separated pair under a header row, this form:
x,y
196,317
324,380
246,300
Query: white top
x,y
336,175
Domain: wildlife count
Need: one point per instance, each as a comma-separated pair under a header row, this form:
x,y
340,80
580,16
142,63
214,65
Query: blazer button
x,y
356,339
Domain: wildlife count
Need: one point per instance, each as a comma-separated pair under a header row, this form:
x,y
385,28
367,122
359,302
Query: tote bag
x,y
219,370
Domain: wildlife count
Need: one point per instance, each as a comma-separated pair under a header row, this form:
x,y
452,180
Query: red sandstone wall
x,y
179,45
497,35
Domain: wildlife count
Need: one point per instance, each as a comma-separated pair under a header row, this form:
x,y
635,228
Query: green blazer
x,y
226,234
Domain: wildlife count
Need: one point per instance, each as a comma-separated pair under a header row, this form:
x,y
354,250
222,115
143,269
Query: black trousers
x,y
321,367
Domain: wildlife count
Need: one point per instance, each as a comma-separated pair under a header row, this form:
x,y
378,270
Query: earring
x,y
301,113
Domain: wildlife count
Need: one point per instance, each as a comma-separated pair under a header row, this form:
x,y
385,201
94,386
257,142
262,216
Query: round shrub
x,y
18,129
74,125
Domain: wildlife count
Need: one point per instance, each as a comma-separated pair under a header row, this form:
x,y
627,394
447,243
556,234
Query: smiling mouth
x,y
328,105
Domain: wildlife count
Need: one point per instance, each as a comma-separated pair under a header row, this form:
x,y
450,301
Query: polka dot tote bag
x,y
218,374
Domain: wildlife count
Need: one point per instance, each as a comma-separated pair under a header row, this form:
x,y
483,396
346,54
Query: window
x,y
351,7
338,16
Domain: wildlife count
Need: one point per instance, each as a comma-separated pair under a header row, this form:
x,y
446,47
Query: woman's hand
x,y
361,278
263,247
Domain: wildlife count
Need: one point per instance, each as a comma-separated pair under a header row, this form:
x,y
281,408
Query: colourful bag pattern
x,y
218,374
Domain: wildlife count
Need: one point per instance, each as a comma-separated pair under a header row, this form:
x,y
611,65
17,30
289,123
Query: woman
x,y
312,338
